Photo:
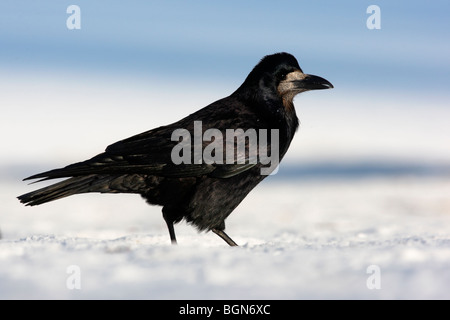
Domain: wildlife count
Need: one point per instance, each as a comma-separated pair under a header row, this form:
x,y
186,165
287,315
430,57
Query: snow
x,y
299,239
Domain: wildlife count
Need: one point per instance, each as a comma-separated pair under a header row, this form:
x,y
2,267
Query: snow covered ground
x,y
361,238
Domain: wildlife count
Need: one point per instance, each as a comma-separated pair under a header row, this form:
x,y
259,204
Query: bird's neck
x,y
277,113
281,115
290,127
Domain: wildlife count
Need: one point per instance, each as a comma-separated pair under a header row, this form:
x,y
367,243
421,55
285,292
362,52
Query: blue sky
x,y
217,40
391,85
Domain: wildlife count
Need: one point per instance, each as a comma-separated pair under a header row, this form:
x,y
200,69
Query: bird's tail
x,y
60,190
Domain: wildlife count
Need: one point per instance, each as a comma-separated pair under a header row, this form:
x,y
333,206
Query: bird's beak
x,y
311,82
297,82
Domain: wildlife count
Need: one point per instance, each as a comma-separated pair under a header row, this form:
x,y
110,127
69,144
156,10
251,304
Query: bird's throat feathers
x,y
288,103
290,116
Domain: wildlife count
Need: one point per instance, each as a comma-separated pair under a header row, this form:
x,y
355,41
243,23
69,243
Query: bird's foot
x,y
225,237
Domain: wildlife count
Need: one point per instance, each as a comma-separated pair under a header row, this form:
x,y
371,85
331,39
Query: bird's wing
x,y
150,153
146,153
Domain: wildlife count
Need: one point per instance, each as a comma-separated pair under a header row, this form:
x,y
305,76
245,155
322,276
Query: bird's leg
x,y
169,221
224,236
173,239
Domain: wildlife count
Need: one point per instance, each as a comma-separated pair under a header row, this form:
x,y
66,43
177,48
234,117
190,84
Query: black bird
x,y
203,193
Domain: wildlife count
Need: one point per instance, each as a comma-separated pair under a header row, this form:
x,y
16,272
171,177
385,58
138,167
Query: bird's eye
x,y
283,75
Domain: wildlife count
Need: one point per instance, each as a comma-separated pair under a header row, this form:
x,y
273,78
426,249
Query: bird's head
x,y
278,77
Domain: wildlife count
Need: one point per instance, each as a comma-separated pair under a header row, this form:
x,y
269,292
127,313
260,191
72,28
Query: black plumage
x,y
203,194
